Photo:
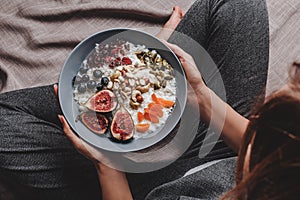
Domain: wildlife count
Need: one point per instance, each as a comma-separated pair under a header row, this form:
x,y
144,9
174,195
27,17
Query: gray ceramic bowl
x,y
70,107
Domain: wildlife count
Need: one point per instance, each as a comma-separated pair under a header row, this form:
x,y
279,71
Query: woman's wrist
x,y
203,94
113,183
104,169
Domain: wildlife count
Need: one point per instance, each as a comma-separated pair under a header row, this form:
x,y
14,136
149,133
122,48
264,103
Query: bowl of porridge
x,y
122,90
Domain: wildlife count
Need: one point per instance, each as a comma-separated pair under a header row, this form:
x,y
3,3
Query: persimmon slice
x,y
140,116
164,102
142,127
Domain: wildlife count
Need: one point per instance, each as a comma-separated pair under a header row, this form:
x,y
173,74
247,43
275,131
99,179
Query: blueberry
x,y
97,73
81,88
77,79
83,69
99,86
91,84
85,78
104,81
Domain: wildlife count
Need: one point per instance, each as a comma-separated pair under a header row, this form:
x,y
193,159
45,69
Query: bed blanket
x,y
36,36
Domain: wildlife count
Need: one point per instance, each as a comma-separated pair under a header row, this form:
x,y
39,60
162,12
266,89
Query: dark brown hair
x,y
274,135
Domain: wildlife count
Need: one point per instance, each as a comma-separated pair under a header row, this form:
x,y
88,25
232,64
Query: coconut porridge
x,y
131,88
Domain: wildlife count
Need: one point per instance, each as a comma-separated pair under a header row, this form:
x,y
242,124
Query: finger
x,y
69,133
177,50
55,88
186,59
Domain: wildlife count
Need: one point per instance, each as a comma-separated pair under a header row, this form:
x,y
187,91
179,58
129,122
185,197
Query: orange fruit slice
x,y
142,127
165,103
152,117
157,109
140,116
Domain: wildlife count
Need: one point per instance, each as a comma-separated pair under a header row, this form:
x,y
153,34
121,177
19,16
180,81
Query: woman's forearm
x,y
222,117
113,183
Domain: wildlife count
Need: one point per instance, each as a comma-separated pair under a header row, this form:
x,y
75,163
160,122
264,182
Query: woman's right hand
x,y
198,93
192,73
232,124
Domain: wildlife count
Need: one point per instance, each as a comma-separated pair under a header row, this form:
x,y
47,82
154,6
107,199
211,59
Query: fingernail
x,y
60,118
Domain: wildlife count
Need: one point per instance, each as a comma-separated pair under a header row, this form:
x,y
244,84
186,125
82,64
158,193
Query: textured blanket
x,y
36,36
284,17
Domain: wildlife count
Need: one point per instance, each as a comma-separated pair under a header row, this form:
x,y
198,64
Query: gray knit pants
x,y
39,160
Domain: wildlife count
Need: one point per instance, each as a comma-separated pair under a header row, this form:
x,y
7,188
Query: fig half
x,y
96,122
103,101
122,126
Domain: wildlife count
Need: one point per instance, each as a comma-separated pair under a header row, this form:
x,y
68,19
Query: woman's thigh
x,y
235,33
35,153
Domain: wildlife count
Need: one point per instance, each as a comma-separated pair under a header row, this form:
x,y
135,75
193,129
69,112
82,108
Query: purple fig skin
x,y
103,101
122,126
95,122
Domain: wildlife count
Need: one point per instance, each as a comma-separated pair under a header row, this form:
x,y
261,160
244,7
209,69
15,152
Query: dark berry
x,y
77,80
100,47
83,69
126,61
97,73
104,81
118,61
112,64
99,86
91,84
81,88
85,78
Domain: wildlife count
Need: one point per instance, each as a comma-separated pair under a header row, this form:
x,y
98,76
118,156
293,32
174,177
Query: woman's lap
x,y
35,152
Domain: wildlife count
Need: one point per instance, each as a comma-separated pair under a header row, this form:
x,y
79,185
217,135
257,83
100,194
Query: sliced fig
x,y
96,122
103,101
122,126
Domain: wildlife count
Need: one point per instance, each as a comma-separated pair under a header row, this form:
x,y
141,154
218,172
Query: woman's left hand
x,y
82,147
109,178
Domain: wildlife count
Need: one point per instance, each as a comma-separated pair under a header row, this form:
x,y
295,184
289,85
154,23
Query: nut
x,y
131,82
143,89
134,105
168,77
110,85
121,78
134,95
164,83
115,75
156,85
142,82
116,85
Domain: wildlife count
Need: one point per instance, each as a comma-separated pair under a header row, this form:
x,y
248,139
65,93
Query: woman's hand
x,y
113,182
192,73
212,109
198,93
82,147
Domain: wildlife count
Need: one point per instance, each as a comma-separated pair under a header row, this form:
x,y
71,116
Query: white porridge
x,y
141,80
